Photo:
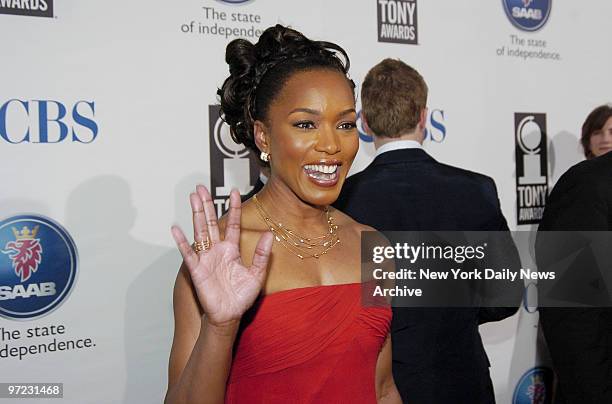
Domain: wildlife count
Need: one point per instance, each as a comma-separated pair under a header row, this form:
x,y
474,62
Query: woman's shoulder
x,y
369,234
344,220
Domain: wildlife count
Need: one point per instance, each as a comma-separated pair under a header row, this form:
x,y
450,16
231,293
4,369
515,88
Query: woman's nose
x,y
328,141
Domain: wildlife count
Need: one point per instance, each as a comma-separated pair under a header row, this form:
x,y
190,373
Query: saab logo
x,y
528,15
531,166
534,387
232,165
34,8
45,121
434,132
397,21
38,266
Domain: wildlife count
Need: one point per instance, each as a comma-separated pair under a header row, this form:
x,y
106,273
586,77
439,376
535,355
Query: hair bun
x,y
281,42
240,56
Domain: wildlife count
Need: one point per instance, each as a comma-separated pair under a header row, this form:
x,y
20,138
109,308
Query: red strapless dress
x,y
309,345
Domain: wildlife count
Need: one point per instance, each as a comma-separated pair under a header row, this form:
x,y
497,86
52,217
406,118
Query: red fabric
x,y
309,345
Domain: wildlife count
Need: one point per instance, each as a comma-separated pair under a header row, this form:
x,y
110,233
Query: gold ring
x,y
198,246
198,211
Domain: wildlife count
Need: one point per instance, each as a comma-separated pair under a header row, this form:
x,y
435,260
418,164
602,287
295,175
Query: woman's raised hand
x,y
224,286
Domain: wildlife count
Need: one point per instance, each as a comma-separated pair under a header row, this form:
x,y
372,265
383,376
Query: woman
x,y
596,136
267,303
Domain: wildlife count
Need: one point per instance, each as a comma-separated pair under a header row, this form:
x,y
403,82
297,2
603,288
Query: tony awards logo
x,y
32,8
231,165
531,166
397,21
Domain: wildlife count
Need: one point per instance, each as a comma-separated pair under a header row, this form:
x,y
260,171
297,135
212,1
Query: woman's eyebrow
x,y
307,110
347,111
317,112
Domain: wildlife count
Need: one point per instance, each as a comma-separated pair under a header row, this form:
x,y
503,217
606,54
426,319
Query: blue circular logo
x,y
528,15
361,130
234,1
534,387
38,266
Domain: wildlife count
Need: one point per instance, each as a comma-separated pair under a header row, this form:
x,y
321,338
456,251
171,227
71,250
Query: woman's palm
x,y
224,286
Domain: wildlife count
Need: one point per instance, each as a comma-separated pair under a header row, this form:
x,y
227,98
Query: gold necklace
x,y
302,247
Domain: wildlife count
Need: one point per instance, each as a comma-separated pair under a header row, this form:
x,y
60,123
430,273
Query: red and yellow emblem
x,y
25,252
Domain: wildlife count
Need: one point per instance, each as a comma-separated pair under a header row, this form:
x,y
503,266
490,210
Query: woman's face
x,y
311,134
601,140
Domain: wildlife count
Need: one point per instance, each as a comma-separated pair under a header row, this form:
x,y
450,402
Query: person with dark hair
x,y
580,338
438,356
596,138
267,303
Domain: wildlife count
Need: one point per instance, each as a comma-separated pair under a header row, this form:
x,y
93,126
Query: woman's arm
x,y
212,291
386,392
201,353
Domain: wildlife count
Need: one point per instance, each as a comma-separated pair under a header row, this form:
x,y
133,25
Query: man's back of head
x,y
394,100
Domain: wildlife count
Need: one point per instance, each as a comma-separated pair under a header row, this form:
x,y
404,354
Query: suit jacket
x,y
438,356
580,339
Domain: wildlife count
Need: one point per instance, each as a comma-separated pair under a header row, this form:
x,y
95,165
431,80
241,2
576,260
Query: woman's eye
x,y
348,125
304,125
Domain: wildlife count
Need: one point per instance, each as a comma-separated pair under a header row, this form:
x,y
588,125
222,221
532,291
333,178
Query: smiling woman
x,y
310,134
267,304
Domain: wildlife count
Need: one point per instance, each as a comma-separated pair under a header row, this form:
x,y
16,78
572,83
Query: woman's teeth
x,y
321,168
322,172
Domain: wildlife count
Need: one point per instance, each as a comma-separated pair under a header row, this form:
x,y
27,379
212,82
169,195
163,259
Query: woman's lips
x,y
323,175
605,149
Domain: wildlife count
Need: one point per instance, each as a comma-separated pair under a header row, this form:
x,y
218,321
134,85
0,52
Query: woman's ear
x,y
260,134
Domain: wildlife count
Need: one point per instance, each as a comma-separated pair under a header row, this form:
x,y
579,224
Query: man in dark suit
x,y
580,339
438,356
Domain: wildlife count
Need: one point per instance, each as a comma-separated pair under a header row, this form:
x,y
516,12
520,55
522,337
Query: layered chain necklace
x,y
302,247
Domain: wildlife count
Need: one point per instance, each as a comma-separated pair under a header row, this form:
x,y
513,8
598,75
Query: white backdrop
x,y
147,76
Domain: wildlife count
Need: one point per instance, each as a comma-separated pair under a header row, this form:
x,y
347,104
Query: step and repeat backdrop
x,y
109,118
